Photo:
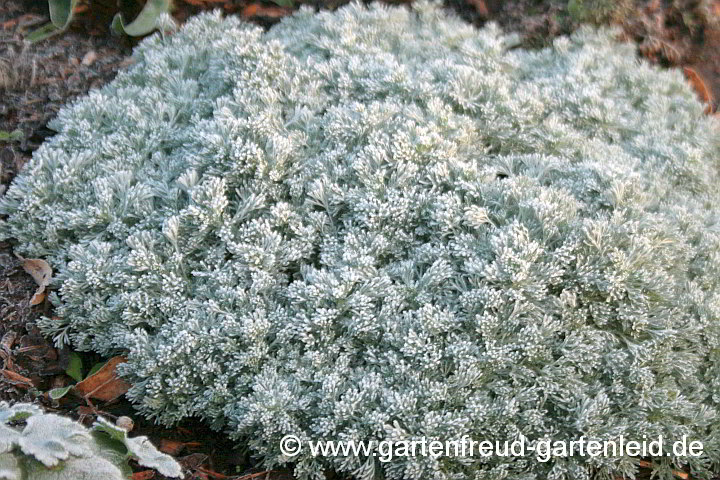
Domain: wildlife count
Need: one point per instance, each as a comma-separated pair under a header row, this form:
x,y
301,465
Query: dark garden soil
x,y
36,80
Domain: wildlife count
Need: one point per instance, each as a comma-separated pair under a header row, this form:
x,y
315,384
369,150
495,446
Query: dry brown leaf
x,y
16,379
193,461
202,3
38,297
257,10
38,269
699,86
89,58
480,7
144,475
85,411
104,384
715,9
8,340
171,447
41,272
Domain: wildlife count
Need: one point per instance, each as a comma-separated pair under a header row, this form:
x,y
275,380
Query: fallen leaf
x,y
38,269
257,10
16,379
41,272
144,475
38,297
480,7
193,461
699,86
653,6
171,447
89,58
9,24
6,344
104,384
203,3
8,340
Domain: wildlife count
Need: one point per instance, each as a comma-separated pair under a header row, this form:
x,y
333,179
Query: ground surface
x,y
36,80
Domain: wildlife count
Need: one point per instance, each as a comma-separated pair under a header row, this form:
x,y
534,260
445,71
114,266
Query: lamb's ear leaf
x,y
52,439
58,393
19,411
75,468
142,449
149,456
9,467
104,425
42,33
61,12
113,451
145,22
8,439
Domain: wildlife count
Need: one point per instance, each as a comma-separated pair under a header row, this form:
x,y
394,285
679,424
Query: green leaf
x,y
42,33
8,439
74,369
58,393
51,439
6,136
95,368
284,3
113,451
145,22
106,426
142,449
61,12
17,412
9,467
76,468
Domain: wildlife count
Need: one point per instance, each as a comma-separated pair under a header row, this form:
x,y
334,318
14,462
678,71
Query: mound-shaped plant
x,y
50,447
385,224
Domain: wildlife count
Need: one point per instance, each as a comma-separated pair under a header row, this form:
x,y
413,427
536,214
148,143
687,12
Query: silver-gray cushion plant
x,y
383,223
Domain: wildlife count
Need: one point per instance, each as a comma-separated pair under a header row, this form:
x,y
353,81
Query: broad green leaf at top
x,y
145,22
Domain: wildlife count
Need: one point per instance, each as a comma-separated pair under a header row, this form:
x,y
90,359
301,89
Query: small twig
x,y
256,475
213,474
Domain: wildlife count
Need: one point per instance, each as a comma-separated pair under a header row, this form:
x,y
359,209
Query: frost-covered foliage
x,y
384,224
46,446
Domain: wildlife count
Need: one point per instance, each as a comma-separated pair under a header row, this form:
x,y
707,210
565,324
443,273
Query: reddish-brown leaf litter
x,y
36,80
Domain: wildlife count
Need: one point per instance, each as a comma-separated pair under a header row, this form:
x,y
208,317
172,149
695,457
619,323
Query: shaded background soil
x,y
36,80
